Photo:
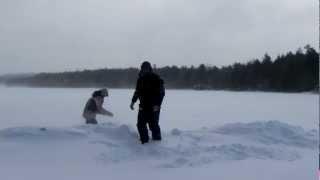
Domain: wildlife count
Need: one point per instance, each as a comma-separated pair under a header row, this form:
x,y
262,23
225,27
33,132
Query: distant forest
x,y
290,72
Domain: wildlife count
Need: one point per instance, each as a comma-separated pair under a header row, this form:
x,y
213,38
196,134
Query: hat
x,y
102,93
146,66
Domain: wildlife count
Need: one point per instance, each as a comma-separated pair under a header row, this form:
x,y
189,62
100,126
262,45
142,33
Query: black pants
x,y
91,121
151,118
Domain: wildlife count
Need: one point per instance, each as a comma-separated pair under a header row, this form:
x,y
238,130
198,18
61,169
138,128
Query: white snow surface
x,y
42,136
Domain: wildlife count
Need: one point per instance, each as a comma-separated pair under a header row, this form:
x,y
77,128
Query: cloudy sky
x,y
59,35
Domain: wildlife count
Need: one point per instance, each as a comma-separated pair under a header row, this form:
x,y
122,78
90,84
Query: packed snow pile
x,y
272,132
112,143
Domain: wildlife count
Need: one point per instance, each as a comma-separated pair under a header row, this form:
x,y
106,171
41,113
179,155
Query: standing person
x,y
150,92
94,106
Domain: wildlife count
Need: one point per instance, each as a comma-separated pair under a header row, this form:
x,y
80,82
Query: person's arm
x,y
105,112
161,93
102,110
160,96
136,94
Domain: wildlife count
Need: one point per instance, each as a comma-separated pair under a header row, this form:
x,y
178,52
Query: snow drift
x,y
119,143
272,132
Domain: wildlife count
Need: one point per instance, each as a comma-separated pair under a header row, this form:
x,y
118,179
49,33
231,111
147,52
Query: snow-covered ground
x,y
206,135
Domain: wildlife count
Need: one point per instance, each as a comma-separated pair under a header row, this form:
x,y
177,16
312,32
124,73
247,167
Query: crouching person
x,y
94,106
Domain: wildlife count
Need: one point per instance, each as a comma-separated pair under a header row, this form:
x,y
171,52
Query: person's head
x,y
145,68
100,93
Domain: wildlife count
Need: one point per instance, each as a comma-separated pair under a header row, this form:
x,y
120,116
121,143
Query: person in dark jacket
x,y
150,92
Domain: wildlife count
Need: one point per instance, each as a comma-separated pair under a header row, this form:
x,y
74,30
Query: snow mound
x,y
112,143
272,132
110,130
187,148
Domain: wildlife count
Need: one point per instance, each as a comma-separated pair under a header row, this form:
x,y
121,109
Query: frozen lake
x,y
183,109
239,136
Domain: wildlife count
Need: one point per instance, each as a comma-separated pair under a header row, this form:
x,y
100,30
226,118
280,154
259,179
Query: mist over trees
x,y
290,72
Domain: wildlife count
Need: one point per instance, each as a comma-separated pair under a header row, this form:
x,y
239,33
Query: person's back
x,y
150,89
90,110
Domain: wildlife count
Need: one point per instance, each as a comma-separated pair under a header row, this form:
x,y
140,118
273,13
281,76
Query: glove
x,y
156,108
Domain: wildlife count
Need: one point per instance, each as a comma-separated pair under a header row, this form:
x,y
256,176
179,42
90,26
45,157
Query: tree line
x,y
290,72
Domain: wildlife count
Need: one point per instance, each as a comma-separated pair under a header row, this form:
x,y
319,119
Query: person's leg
x,y
154,125
91,121
142,127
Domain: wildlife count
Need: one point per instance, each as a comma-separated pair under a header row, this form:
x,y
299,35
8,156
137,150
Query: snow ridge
x,y
272,132
119,143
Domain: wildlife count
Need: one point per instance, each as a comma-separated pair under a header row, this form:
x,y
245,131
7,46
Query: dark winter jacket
x,y
149,90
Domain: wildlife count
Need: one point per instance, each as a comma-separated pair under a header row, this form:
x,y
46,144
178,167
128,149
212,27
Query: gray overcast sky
x,y
59,35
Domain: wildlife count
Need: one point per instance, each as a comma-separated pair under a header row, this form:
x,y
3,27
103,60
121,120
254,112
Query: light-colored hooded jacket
x,y
93,107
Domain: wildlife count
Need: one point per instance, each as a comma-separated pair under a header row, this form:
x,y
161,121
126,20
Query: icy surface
x,y
206,135
183,109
